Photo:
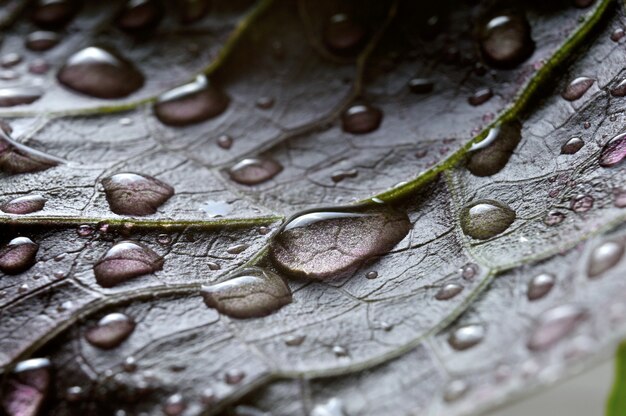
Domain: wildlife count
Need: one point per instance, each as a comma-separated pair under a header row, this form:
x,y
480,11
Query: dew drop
x,y
343,34
361,119
506,41
253,171
294,340
164,239
572,146
208,396
191,103
448,291
486,218
225,142
466,336
130,364
604,257
620,89
540,286
554,324
334,242
10,59
27,388
480,96
24,205
38,67
135,194
140,15
340,175
124,261
491,155
265,103
12,96
421,85
100,73
553,218
577,88
234,376
110,331
340,351
174,405
74,394
581,203
614,151
213,266
455,390
250,293
41,40
619,198
237,248
583,3
618,34
54,13
371,275
469,271
333,407
18,255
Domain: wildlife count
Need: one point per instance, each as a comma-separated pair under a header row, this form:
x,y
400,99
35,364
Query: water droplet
x,y
10,59
135,194
371,275
41,40
250,293
333,407
100,73
577,88
361,119
27,388
343,34
553,218
455,390
540,286
124,261
140,15
12,96
225,141
294,340
237,248
619,198
174,405
84,230
618,34
23,288
449,291
340,351
164,239
620,89
254,171
581,203
490,155
208,396
74,394
480,96
343,174
38,67
264,230
130,364
265,103
572,146
421,85
234,376
486,218
213,266
614,151
24,205
191,103
466,336
554,325
506,41
335,242
18,255
469,271
54,13
604,257
110,331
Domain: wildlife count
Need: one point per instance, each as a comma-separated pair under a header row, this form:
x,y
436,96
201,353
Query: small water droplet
x,y
100,73
620,89
250,293
130,364
84,230
581,203
294,340
455,390
480,96
265,103
191,103
41,40
614,151
58,274
164,239
491,155
340,175
486,218
18,255
618,34
604,257
448,291
225,141
24,205
340,351
215,209
208,396
577,88
110,331
74,394
506,41
554,324
343,34
10,59
263,230
553,218
23,288
140,15
237,248
234,376
213,266
572,146
9,75
371,275
421,85
540,286
12,96
254,171
124,261
361,119
466,336
135,194
175,405
38,67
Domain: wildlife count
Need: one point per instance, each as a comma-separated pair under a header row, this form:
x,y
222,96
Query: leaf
x,y
615,404
168,277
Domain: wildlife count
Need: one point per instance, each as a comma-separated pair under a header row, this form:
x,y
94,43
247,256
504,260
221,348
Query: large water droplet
x,y
540,286
135,194
124,261
577,88
361,119
12,96
18,255
250,293
486,218
614,151
620,89
191,103
582,203
506,41
54,13
343,34
466,336
489,156
24,205
17,158
100,73
110,331
449,291
554,325
253,171
604,257
140,15
335,242
572,146
41,40
27,388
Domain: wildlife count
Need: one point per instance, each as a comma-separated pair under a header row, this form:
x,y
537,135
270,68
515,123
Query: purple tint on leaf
x,y
24,205
614,151
18,255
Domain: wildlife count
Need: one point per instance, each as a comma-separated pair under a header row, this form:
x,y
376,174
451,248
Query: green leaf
x,y
616,404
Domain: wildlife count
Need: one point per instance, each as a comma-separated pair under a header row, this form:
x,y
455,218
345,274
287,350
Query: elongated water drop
x,y
614,151
486,218
140,15
361,119
480,96
18,255
110,331
41,40
540,286
604,257
506,41
253,171
554,325
449,291
24,205
620,89
17,158
572,146
12,96
491,155
124,261
577,88
54,13
135,194
466,336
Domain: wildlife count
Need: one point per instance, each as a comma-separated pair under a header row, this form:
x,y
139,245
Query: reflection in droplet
x,y
614,151
620,89
253,171
18,158
175,405
554,325
41,40
604,257
110,331
100,73
572,146
135,194
486,218
140,15
618,34
582,203
577,88
466,336
506,41
74,394
335,242
12,96
449,291
27,388
361,119
343,34
480,96
540,286
191,103
124,261
421,85
18,255
491,155
24,205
